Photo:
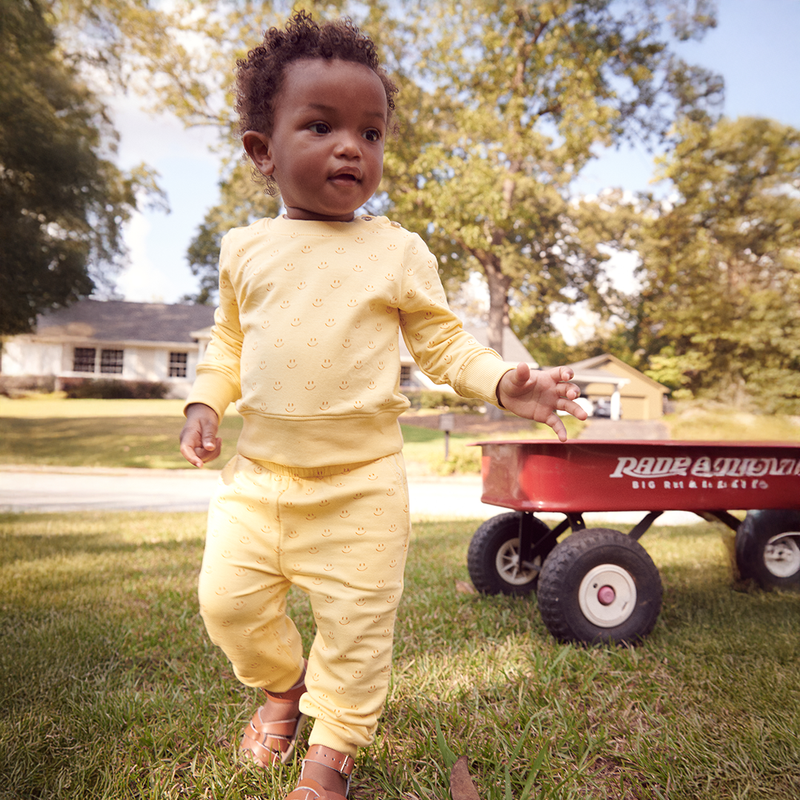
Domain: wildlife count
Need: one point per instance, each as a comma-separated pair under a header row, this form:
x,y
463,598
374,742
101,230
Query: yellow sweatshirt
x,y
306,339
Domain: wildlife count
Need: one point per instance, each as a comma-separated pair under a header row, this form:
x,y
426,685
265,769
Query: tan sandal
x,y
269,741
308,788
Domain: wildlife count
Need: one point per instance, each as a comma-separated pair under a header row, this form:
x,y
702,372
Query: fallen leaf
x,y
465,588
461,785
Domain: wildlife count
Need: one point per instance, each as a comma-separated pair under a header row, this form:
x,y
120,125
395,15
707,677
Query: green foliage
x,y
721,265
21,385
62,201
520,97
665,367
431,398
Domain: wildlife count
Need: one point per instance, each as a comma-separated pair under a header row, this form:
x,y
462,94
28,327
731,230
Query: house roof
x,y
596,364
586,376
513,349
120,321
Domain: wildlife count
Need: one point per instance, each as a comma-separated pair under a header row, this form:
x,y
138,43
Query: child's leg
x,y
346,538
241,588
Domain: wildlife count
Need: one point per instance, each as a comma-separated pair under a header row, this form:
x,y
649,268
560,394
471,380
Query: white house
x,y
151,342
113,340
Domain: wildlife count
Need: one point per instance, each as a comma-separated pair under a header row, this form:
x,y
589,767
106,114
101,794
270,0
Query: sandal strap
x,y
270,741
293,694
333,759
309,789
277,729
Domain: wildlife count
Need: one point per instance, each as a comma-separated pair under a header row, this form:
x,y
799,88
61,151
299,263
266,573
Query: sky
x,y
755,46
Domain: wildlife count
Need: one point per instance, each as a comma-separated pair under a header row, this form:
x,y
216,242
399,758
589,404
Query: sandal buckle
x,y
333,759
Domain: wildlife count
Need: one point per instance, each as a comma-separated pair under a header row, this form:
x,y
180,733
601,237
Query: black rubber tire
x,y
569,591
762,553
493,556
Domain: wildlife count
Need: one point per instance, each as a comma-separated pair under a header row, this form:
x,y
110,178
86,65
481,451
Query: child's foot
x,y
325,775
271,734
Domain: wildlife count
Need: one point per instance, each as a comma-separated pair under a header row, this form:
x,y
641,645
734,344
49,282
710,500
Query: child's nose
x,y
349,144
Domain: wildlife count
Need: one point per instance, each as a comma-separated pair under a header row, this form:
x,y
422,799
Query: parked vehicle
x,y
602,407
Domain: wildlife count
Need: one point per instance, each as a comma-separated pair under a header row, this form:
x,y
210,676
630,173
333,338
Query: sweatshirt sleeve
x,y
218,375
435,337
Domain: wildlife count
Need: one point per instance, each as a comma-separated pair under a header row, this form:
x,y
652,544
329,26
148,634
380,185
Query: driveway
x,y
614,430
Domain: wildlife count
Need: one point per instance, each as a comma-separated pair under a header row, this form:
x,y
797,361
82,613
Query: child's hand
x,y
199,440
539,394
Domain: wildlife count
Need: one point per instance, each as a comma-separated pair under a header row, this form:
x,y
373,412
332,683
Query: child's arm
x,y
199,440
538,394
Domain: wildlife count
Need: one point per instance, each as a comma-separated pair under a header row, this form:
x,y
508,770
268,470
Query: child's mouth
x,y
345,178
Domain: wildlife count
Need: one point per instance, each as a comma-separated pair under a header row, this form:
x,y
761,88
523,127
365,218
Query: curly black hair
x,y
260,76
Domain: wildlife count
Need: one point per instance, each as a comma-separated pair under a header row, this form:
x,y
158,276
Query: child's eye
x,y
319,127
372,135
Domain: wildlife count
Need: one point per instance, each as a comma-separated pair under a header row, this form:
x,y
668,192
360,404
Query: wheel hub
x,y
782,555
607,595
511,568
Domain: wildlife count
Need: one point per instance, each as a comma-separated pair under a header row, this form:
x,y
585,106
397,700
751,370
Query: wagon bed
x,y
601,585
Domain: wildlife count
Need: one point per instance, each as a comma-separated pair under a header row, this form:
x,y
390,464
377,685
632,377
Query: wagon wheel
x,y
768,548
599,585
493,558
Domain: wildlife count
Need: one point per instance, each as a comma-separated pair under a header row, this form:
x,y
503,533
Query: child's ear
x,y
258,148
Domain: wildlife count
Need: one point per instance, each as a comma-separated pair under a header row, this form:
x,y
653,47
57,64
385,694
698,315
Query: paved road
x,y
58,490
24,489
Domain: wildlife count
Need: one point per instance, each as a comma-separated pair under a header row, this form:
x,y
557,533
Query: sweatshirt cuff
x,y
481,377
207,390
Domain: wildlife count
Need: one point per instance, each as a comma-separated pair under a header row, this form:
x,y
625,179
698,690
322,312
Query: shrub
x,y
19,385
432,398
86,388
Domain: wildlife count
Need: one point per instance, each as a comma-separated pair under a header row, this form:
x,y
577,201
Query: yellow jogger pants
x,y
342,538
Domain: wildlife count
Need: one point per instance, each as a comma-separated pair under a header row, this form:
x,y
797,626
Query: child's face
x,y
326,147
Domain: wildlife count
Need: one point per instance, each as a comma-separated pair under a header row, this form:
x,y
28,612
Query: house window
x,y
405,375
111,362
177,365
83,359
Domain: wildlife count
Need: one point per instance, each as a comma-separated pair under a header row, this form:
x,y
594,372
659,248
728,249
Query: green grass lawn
x,y
695,421
144,433
109,687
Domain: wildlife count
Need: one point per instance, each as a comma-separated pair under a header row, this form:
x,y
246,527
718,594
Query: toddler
x,y
306,343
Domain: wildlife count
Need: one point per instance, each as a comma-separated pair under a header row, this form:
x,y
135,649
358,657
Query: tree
x,y
522,95
242,201
502,105
62,201
721,264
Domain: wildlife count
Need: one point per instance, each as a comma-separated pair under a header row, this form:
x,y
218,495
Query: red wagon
x,y
598,584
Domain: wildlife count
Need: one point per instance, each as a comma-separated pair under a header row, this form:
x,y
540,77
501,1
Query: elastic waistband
x,y
308,472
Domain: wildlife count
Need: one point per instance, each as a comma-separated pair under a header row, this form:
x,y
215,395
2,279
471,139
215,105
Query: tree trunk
x,y
499,286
